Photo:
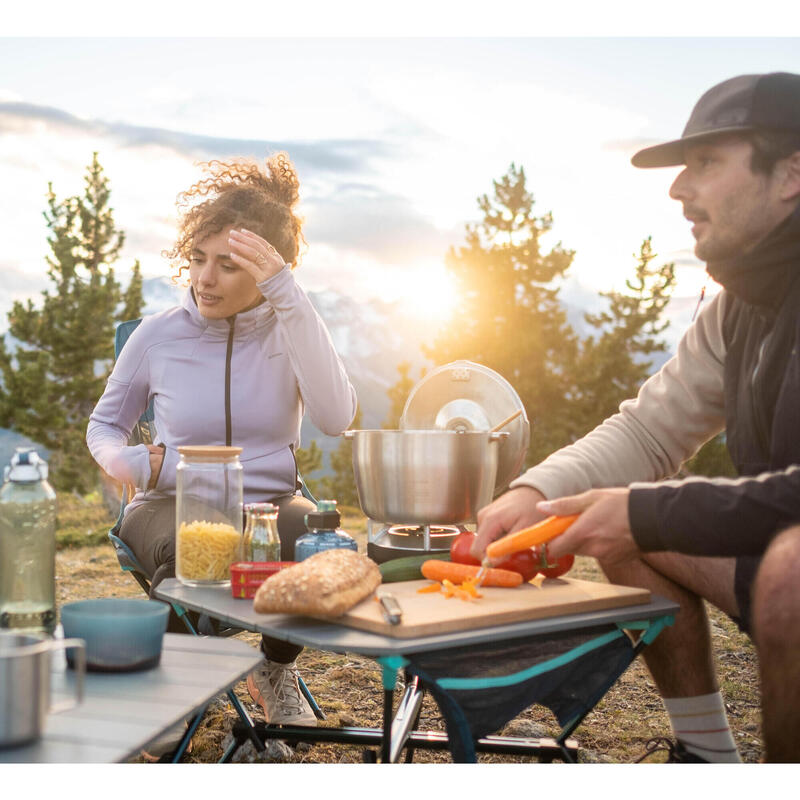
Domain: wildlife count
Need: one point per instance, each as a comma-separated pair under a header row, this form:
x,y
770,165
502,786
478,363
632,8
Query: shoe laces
x,y
283,679
658,744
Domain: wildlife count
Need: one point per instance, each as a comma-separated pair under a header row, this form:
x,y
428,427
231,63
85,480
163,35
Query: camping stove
x,y
386,542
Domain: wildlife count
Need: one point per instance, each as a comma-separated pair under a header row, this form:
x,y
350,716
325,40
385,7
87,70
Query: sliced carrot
x,y
542,532
431,587
449,571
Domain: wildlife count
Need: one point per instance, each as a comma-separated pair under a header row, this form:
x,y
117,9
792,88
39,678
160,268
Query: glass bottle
x,y
208,514
261,542
27,545
324,533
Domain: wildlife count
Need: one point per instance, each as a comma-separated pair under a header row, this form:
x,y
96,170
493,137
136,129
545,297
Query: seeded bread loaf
x,y
325,584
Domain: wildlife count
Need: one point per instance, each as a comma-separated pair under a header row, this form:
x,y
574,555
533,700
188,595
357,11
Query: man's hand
x,y
602,530
511,512
156,457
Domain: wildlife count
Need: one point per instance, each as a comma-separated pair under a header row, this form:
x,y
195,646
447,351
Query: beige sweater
x,y
676,411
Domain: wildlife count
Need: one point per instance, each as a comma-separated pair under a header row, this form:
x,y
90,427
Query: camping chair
x,y
144,433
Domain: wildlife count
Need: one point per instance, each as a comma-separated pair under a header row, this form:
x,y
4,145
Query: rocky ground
x,y
348,687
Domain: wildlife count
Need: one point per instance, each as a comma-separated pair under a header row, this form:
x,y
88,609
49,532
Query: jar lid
x,y
209,452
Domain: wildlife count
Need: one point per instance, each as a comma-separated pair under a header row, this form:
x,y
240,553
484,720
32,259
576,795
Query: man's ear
x,y
790,185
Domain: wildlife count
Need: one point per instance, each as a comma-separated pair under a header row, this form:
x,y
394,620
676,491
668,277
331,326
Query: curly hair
x,y
240,193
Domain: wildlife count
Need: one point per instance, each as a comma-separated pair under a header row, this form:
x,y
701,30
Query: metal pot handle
x,y
348,434
79,669
500,436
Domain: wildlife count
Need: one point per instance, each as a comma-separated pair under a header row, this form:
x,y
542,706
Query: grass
x,y
82,521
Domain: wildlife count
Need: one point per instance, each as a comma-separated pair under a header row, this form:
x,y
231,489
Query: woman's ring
x,y
261,259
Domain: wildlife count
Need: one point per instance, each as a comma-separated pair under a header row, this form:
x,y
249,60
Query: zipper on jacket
x,y
228,357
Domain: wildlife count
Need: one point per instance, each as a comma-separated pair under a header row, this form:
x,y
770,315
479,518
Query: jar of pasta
x,y
208,523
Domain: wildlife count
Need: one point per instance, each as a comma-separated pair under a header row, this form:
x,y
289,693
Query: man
x,y
735,543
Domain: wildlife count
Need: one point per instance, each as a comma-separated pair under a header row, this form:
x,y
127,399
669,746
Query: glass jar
x,y
323,532
208,515
261,542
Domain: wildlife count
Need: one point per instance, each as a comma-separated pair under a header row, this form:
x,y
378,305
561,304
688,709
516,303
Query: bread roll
x,y
326,584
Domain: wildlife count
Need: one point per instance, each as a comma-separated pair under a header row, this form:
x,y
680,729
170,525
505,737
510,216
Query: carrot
x,y
431,587
542,532
457,573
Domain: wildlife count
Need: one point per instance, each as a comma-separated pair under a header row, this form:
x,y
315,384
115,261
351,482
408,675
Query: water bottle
x,y
323,532
261,542
27,545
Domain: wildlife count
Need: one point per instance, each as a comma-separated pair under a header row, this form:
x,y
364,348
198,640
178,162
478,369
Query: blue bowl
x,y
121,634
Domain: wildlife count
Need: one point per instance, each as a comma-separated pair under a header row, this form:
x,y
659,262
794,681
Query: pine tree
x,y
508,315
65,347
614,363
309,460
398,394
341,484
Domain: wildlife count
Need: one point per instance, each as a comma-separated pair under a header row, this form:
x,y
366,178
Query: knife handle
x,y
391,609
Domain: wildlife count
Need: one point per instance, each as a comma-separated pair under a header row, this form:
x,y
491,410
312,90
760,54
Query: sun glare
x,y
428,293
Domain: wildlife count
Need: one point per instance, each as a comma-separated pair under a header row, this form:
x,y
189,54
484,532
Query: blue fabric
x,y
479,689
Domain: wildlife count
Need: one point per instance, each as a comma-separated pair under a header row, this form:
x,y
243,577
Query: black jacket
x,y
721,517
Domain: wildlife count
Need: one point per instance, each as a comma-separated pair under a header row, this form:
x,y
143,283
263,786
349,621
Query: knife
x,y
392,612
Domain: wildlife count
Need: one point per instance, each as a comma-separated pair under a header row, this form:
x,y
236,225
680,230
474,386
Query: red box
x,y
247,576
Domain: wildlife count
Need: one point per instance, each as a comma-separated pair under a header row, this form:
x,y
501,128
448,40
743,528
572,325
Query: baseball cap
x,y
738,104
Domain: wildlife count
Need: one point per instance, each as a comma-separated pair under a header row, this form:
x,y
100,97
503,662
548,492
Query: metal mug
x,y
25,662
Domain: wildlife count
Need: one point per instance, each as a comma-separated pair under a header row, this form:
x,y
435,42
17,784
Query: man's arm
x,y
676,411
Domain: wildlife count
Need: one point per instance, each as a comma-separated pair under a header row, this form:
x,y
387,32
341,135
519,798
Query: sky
x,y
393,139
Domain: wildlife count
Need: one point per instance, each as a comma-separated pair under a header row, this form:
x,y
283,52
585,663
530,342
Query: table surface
x,y
219,603
123,712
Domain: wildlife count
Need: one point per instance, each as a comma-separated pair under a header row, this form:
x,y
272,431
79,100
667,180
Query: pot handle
x,y
79,669
348,434
500,436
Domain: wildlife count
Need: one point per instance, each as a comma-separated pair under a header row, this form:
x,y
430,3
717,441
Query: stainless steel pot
x,y
424,477
25,684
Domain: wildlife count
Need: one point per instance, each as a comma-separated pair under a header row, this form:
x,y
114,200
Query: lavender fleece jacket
x,y
282,362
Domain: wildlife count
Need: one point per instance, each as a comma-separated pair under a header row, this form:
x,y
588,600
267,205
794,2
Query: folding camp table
x,y
122,712
602,628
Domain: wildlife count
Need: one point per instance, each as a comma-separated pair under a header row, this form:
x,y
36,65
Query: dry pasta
x,y
206,550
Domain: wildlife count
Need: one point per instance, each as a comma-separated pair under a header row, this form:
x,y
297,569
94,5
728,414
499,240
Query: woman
x,y
237,363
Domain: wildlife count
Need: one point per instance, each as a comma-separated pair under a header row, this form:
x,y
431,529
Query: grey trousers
x,y
149,530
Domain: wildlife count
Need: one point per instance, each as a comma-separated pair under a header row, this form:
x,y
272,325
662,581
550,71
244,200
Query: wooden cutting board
x,y
427,614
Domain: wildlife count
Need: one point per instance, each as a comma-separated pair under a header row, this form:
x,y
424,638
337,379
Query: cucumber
x,y
408,568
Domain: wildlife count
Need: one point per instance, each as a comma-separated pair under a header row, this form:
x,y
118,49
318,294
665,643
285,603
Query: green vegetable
x,y
408,568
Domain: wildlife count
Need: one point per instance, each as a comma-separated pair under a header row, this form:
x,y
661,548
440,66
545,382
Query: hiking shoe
x,y
274,687
676,751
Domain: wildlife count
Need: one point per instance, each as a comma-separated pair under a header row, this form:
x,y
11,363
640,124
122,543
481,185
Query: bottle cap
x,y
261,508
326,516
26,467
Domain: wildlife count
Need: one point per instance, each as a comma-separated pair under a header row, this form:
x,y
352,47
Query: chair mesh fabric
x,y
479,689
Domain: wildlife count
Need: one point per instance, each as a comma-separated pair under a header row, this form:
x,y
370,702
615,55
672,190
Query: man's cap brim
x,y
670,154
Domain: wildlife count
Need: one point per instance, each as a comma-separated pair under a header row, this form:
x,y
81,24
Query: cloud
x,y
333,155
365,218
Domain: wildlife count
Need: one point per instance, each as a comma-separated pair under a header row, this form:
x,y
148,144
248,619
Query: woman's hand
x,y
156,459
254,254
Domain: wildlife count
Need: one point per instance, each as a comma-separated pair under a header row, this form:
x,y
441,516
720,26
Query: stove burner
x,y
396,541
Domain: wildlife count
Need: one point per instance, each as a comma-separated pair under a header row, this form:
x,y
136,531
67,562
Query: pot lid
x,y
463,395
